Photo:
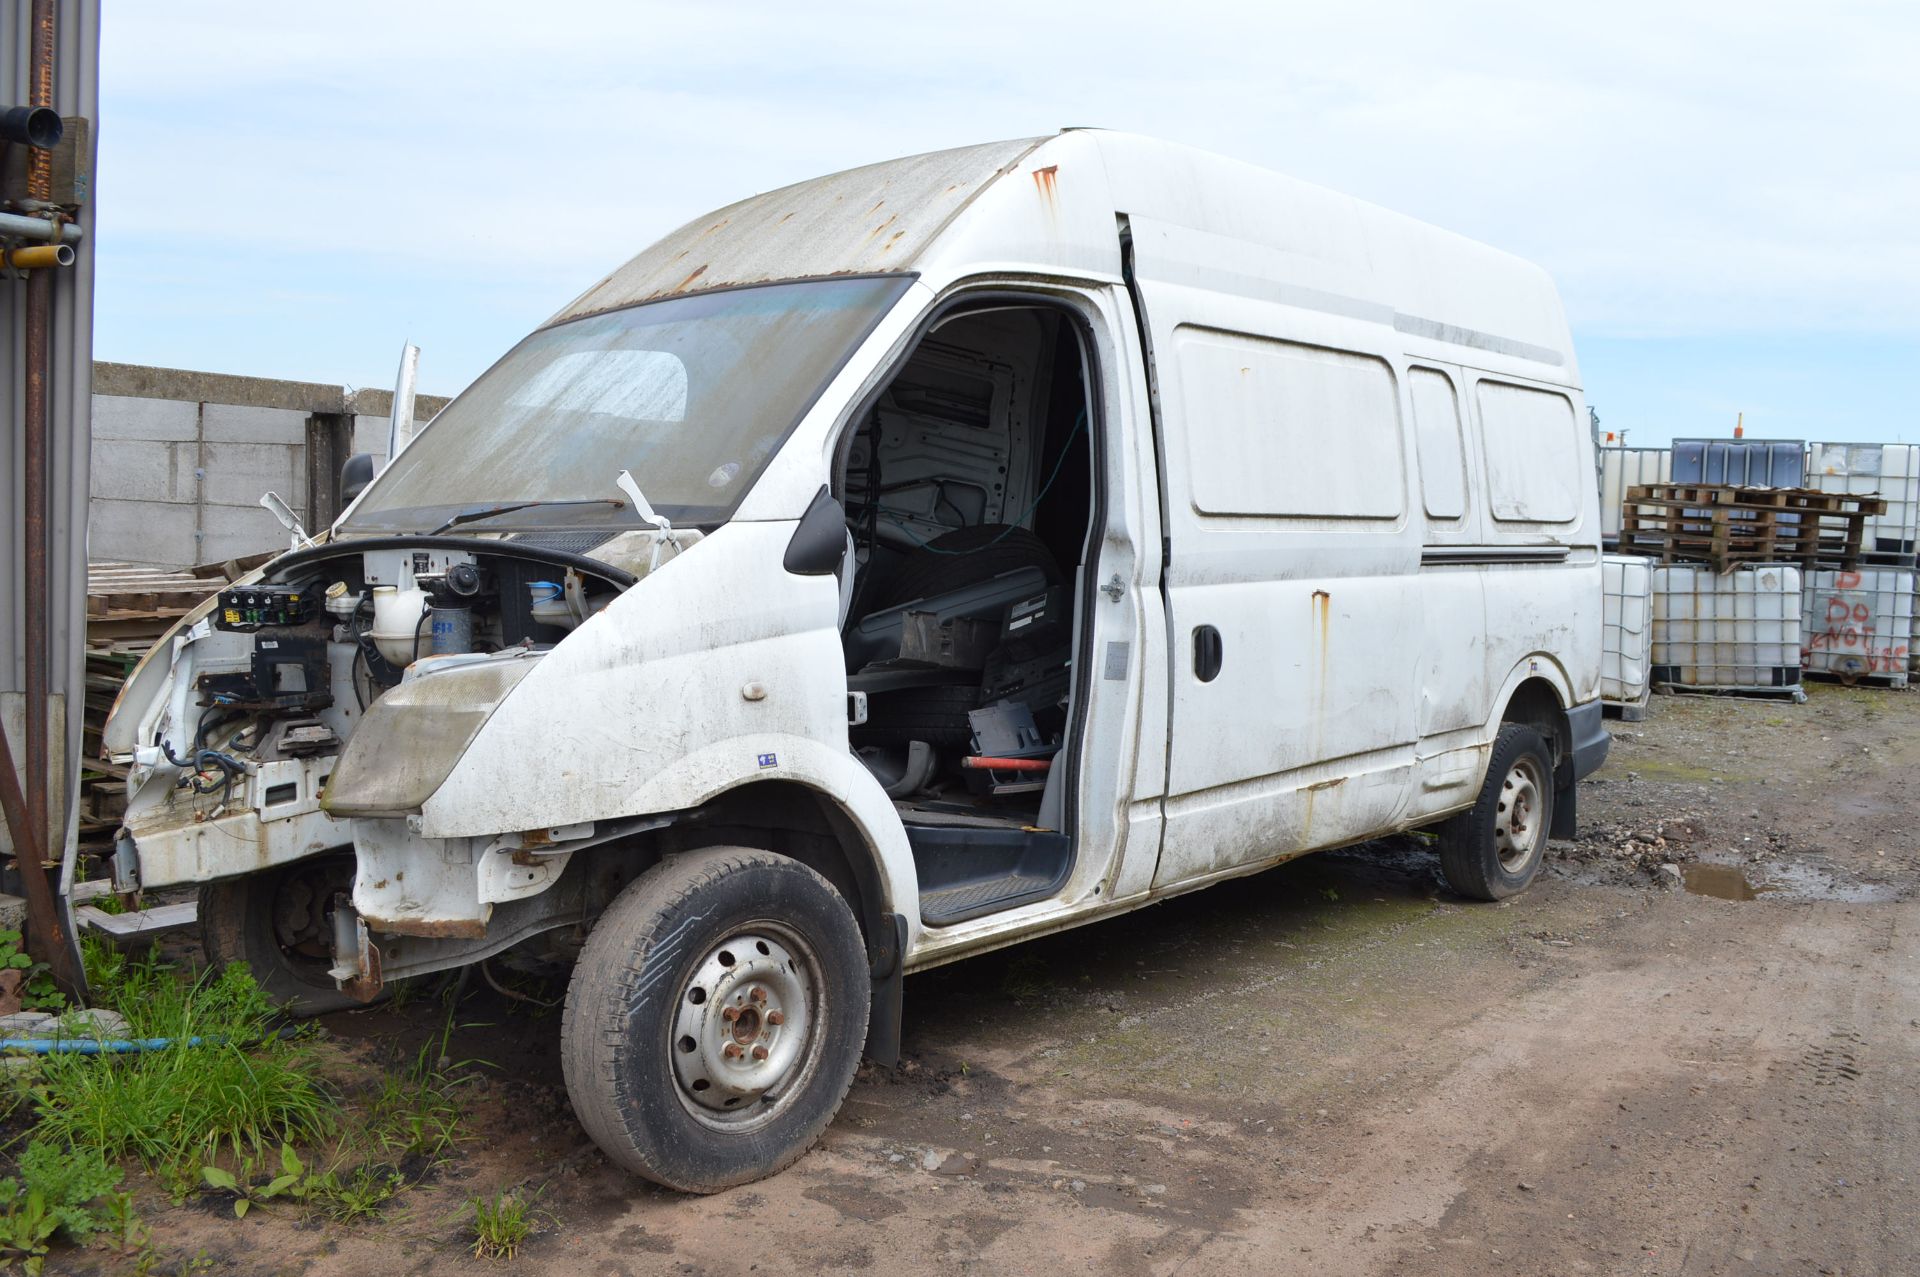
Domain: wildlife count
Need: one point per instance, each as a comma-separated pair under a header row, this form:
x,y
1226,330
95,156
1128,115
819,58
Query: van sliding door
x,y
1295,615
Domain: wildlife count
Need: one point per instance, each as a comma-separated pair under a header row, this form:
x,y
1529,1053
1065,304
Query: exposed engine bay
x,y
272,683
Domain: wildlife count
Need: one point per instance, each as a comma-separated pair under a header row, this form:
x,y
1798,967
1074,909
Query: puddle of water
x,y
1783,881
1723,882
1794,880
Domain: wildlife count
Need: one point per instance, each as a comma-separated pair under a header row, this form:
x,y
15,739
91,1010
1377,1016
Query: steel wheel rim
x,y
746,1034
1519,823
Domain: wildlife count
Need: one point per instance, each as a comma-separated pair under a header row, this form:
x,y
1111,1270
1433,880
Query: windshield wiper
x,y
474,516
663,533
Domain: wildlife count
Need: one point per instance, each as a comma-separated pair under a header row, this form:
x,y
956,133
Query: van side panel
x,y
1537,470
1292,580
1375,523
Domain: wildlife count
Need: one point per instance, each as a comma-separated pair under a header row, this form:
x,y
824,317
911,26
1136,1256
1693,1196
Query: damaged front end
x,y
311,710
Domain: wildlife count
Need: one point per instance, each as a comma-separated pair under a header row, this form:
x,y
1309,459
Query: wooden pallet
x,y
1726,526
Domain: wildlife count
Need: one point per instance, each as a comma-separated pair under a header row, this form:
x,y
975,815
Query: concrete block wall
x,y
181,459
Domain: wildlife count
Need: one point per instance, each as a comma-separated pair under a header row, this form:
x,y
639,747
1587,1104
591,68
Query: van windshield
x,y
694,395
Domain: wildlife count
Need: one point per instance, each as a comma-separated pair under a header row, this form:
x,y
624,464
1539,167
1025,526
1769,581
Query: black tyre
x,y
715,1018
966,557
936,715
280,923
1494,849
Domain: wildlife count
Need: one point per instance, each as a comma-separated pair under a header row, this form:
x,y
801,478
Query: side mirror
x,y
355,475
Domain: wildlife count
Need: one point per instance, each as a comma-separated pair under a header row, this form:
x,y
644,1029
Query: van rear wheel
x,y
715,1018
1494,849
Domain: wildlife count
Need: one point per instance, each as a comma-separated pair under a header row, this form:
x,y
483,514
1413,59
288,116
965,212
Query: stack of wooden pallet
x,y
133,604
1726,526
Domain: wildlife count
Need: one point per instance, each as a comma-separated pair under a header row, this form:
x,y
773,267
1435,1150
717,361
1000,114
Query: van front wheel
x,y
715,1018
1494,849
279,922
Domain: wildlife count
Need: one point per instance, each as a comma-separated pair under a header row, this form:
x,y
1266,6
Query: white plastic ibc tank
x,y
1859,624
1913,644
1733,631
1626,584
1889,470
1623,468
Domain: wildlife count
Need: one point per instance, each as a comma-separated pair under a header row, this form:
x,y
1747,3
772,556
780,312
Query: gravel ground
x,y
1689,1049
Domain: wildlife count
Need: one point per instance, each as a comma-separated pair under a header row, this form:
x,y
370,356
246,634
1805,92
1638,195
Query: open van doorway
x,y
970,498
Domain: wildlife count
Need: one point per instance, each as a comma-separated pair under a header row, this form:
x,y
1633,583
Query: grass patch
x,y
413,1117
1670,770
244,1087
501,1224
250,1114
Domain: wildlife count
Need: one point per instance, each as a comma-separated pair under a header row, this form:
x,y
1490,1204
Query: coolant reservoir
x,y
397,613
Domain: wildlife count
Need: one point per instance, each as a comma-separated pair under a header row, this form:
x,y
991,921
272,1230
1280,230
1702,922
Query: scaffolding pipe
x,y
39,126
37,256
18,227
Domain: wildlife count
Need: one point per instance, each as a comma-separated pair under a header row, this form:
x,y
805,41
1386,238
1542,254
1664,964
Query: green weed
x,y
292,1182
242,1087
414,1115
37,991
501,1224
56,1193
359,1195
344,1197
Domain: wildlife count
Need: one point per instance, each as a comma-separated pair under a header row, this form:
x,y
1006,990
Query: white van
x,y
883,570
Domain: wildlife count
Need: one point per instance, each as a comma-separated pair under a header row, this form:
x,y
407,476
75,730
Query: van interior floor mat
x,y
978,899
967,871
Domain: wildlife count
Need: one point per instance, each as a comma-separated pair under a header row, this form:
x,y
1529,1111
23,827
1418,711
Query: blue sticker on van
x,y
769,760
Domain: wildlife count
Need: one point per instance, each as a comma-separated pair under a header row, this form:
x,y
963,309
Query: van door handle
x,y
1207,653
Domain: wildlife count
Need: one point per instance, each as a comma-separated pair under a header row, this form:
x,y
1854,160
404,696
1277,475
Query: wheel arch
x,y
1537,703
1537,692
807,824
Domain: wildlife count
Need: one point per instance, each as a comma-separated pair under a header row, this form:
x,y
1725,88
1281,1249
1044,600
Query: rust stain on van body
x,y
1047,182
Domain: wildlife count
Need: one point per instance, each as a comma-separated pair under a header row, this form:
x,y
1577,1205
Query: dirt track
x,y
1337,1068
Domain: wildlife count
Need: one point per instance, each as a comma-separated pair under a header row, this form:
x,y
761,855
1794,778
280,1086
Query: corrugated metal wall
x,y
76,92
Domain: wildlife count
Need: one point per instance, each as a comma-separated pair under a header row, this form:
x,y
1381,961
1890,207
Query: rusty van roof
x,y
865,220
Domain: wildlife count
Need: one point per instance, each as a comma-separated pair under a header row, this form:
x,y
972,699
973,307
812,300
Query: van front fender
x,y
716,769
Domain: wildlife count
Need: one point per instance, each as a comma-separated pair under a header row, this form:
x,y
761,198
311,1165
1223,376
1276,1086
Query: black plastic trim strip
x,y
472,545
1470,555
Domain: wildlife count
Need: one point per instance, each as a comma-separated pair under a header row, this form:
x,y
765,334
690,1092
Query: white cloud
x,y
1687,169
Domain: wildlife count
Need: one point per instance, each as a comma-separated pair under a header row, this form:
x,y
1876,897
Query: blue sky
x,y
1728,194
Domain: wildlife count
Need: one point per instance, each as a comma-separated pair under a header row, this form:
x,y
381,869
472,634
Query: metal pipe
x,y
37,228
30,854
37,256
39,126
40,93
43,920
